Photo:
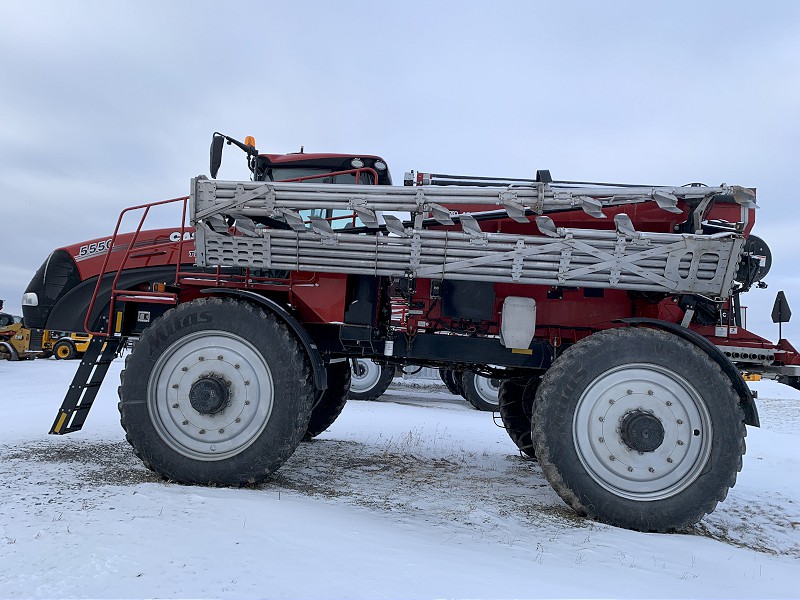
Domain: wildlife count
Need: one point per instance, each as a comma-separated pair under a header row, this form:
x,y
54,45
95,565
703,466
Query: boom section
x,y
261,225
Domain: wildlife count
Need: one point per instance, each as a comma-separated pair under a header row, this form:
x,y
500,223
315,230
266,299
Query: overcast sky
x,y
107,104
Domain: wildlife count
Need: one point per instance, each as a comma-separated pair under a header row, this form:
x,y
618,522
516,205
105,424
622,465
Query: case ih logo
x,y
175,236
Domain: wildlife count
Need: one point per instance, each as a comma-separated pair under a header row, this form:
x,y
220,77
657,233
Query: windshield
x,y
315,175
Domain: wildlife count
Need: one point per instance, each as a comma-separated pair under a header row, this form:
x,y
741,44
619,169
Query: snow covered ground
x,y
415,495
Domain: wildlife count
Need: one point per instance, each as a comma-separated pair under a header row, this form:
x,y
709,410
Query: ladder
x,y
86,384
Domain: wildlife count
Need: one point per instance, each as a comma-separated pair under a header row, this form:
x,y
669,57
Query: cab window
x,y
315,175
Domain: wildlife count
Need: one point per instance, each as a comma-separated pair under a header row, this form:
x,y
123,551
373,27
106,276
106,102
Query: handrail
x,y
125,258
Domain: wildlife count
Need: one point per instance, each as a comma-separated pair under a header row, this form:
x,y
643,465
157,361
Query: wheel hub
x,y
209,395
641,431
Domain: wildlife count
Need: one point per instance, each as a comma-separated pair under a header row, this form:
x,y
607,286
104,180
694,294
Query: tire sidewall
x,y
330,402
556,402
515,405
451,380
291,399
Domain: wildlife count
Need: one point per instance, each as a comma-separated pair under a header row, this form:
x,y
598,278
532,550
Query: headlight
x,y
357,163
30,299
380,165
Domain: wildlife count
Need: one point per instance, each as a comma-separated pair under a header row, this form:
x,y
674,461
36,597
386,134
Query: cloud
x,y
109,104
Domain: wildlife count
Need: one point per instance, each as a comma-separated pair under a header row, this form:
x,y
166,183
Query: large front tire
x,y
216,392
638,428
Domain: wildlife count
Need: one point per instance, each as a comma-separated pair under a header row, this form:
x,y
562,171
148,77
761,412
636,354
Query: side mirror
x,y
216,154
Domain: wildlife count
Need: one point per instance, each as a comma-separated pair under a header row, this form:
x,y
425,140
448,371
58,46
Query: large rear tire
x,y
638,428
369,380
216,392
515,399
329,403
481,392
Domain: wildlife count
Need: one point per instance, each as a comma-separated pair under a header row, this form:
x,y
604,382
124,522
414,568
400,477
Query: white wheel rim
x,y
488,389
208,437
365,376
650,390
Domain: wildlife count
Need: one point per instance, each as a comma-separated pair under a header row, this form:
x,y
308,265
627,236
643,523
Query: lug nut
x,y
247,402
630,469
247,382
202,431
186,422
184,369
612,457
221,430
680,421
650,392
651,469
669,460
602,440
602,419
219,357
237,420
680,442
669,403
629,392
236,366
611,401
200,358
175,405
174,386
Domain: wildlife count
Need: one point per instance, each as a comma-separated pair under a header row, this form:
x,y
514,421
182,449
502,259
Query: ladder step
x,y
82,392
